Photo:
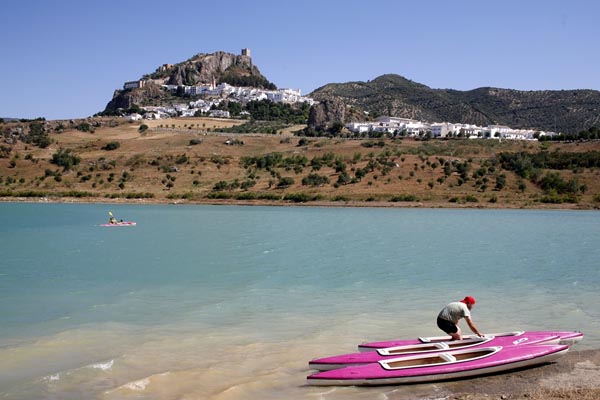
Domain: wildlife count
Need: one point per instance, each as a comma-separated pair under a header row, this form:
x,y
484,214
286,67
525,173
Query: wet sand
x,y
574,376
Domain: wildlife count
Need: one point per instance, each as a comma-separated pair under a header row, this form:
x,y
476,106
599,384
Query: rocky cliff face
x,y
203,68
324,114
125,99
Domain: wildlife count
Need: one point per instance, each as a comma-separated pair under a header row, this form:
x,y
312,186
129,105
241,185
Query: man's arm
x,y
472,326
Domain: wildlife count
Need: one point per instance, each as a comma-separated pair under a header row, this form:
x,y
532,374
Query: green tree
x,y
500,182
285,182
37,135
219,186
135,109
65,158
315,180
336,128
344,178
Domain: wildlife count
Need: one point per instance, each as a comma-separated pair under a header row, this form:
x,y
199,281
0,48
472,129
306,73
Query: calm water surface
x,y
220,302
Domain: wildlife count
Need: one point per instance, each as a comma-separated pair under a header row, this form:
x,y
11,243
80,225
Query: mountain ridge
x,y
566,111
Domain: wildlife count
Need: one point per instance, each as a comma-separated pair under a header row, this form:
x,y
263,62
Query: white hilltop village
x,y
215,94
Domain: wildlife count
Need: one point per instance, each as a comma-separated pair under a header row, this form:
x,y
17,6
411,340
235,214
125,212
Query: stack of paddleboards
x,y
428,359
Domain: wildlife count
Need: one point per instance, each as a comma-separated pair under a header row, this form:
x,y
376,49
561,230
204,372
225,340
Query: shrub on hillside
x,y
65,158
404,197
111,146
285,182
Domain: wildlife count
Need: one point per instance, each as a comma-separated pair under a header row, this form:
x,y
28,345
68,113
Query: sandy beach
x,y
574,376
283,203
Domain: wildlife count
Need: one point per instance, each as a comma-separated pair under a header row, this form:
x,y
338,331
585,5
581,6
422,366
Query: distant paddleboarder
x,y
448,318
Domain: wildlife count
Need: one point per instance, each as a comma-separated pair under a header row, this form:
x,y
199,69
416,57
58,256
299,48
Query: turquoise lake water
x,y
224,302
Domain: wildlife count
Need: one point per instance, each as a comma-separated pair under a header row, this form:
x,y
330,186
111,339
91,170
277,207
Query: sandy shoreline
x,y
574,376
317,203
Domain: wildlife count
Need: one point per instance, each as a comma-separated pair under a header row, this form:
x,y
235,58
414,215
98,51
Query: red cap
x,y
468,300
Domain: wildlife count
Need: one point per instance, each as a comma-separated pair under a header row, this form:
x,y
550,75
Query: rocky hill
x,y
218,67
568,111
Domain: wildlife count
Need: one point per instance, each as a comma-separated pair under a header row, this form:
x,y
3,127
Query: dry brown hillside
x,y
188,160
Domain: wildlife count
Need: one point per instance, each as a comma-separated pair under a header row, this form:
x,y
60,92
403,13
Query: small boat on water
x,y
121,223
566,337
431,367
113,221
379,354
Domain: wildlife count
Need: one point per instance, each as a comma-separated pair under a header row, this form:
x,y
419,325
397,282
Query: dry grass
x,y
152,162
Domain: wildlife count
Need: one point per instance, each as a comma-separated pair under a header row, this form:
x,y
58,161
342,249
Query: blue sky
x,y
64,59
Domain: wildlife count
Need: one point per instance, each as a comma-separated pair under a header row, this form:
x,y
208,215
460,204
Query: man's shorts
x,y
446,326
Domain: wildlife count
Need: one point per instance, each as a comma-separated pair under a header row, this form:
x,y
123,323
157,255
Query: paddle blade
x,y
110,213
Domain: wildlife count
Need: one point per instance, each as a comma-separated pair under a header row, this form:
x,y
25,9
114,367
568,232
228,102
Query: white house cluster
x,y
214,95
393,126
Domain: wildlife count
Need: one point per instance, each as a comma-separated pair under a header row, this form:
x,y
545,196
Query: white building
x,y
519,134
394,120
417,128
358,127
134,117
133,84
219,113
496,131
284,96
444,129
390,126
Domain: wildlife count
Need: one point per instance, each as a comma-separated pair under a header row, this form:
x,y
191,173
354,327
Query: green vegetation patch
x,y
404,197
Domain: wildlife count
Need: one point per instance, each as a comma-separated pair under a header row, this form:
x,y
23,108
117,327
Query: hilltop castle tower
x,y
246,52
